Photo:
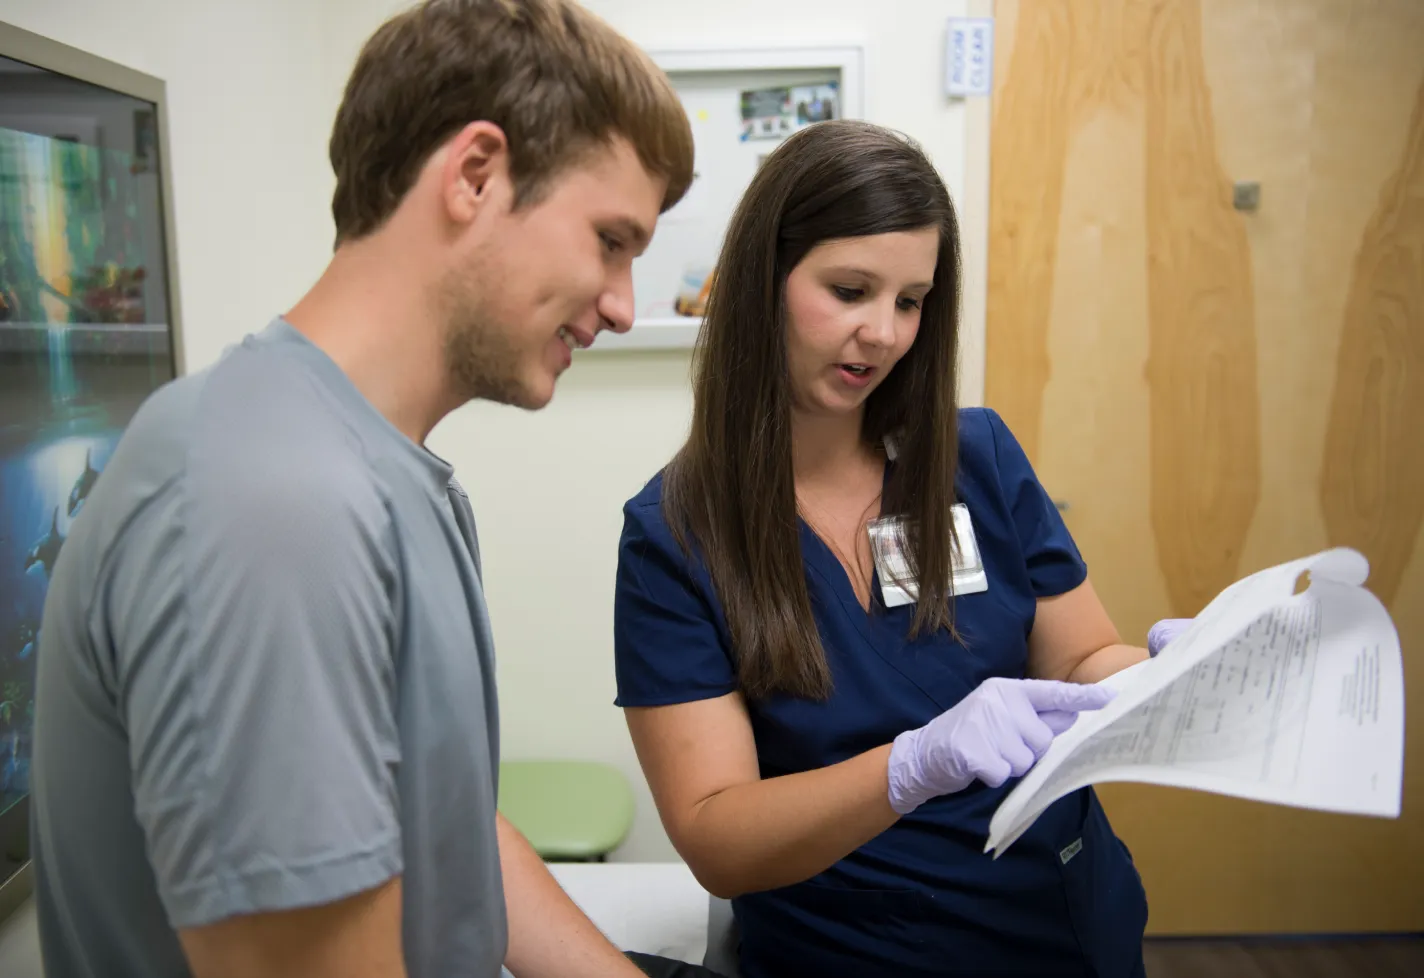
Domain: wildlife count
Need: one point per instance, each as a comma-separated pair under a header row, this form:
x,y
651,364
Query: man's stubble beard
x,y
481,358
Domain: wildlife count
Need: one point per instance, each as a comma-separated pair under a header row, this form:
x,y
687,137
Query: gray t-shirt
x,y
266,679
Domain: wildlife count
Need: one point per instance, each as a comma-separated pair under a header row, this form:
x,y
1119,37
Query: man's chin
x,y
535,393
530,393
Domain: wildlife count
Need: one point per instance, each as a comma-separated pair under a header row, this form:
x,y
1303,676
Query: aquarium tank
x,y
87,331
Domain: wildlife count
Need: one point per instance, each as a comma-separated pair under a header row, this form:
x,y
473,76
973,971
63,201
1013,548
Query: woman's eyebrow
x,y
873,277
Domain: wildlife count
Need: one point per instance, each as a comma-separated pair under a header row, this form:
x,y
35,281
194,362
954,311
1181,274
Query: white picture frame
x,y
846,63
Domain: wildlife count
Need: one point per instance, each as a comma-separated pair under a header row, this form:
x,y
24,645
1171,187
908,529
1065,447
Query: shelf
x,y
649,333
82,339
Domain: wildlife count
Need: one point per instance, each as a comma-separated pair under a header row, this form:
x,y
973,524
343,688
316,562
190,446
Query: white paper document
x,y
1293,699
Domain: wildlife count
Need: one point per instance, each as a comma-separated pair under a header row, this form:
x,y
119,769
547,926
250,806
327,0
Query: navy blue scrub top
x,y
922,898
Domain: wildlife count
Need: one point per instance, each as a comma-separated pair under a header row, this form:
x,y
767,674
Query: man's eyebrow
x,y
633,230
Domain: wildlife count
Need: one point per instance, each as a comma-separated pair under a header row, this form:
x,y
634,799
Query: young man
x,y
267,723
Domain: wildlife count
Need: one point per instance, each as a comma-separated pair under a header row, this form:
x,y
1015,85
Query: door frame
x,y
973,210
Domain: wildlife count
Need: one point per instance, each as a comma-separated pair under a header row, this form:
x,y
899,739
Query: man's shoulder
x,y
271,400
253,390
252,436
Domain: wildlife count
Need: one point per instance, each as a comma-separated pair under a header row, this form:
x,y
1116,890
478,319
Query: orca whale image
x,y
46,548
84,484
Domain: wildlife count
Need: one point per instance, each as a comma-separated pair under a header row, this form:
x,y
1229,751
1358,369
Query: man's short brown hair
x,y
558,80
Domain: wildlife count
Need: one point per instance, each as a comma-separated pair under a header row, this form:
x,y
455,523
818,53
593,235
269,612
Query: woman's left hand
x,y
1163,632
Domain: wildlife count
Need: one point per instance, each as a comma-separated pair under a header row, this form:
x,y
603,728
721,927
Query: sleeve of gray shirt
x,y
250,614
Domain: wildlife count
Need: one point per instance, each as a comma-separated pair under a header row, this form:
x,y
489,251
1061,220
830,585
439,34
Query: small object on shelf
x,y
692,295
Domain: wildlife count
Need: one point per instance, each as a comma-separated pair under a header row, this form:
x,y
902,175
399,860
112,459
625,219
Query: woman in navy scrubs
x,y
823,748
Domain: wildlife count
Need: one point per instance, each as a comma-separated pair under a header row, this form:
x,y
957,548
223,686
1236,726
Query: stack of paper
x,y
1283,697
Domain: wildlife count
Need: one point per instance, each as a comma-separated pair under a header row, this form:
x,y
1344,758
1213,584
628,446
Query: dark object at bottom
x,y
656,967
1382,956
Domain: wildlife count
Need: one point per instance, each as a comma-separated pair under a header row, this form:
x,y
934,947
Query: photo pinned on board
x,y
777,112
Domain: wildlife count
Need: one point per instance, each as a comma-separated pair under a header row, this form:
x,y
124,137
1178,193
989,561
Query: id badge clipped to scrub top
x,y
898,586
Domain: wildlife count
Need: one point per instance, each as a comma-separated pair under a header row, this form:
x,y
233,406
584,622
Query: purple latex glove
x,y
1164,631
996,732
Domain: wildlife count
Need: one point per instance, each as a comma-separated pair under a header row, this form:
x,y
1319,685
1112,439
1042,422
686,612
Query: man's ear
x,y
476,163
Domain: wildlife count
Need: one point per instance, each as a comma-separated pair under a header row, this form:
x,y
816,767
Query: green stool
x,y
570,811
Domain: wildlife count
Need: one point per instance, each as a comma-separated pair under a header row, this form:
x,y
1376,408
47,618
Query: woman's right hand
x,y
996,732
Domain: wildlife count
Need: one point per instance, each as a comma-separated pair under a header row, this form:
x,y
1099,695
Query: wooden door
x,y
1211,390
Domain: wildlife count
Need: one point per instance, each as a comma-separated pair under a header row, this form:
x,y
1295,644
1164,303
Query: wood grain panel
x,y
1261,69
1094,450
1028,144
1372,484
1202,360
1172,319
1370,70
1207,860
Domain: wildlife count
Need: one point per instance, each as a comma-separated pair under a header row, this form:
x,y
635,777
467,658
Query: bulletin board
x,y
741,104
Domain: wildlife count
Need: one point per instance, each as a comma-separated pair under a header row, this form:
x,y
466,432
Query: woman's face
x,y
853,309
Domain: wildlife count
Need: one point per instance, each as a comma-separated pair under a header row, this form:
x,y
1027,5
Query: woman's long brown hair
x,y
730,490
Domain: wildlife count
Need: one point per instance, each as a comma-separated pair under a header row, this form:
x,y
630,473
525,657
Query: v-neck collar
x,y
838,580
874,627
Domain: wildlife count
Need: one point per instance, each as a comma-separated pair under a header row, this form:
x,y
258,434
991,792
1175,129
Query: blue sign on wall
x,y
969,56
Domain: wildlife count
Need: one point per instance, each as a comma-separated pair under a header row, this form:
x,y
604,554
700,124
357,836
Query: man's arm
x,y
359,937
249,626
549,936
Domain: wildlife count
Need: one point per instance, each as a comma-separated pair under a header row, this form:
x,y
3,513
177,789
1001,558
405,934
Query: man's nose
x,y
615,306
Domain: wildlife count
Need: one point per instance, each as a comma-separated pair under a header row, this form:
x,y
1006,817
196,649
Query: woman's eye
x,y
846,294
611,243
906,303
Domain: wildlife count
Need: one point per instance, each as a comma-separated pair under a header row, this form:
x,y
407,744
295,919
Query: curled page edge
x,y
1342,564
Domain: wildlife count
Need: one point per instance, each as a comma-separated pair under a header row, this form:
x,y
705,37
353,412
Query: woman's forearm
x,y
1106,661
771,833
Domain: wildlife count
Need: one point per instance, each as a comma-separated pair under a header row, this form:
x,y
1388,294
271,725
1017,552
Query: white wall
x,y
253,86
20,945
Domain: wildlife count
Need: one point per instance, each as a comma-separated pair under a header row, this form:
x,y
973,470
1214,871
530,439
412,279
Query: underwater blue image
x,y
83,341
